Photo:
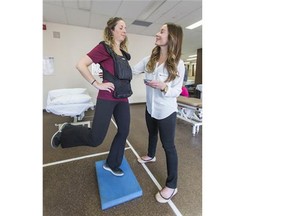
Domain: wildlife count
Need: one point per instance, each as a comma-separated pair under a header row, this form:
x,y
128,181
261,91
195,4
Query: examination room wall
x,y
75,42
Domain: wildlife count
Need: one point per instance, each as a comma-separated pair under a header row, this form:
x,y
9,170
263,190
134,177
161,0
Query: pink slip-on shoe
x,y
162,199
142,161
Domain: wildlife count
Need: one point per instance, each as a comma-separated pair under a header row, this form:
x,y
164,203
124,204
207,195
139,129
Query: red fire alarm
x,y
44,27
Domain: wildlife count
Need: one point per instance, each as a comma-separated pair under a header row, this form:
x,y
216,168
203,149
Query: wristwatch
x,y
165,89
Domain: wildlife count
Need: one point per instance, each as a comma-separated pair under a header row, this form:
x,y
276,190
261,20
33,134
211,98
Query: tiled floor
x,y
69,179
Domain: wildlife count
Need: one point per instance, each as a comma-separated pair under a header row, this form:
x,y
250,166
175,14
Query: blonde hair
x,y
108,35
174,51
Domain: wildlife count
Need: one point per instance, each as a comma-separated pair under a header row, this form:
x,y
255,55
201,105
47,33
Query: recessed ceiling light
x,y
195,25
190,59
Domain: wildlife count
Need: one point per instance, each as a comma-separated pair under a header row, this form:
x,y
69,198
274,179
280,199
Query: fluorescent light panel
x,y
195,25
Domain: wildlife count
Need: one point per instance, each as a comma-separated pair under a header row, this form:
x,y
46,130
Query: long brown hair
x,y
108,35
174,51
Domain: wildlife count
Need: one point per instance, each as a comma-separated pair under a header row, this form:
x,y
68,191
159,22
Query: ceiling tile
x,y
54,13
82,18
108,8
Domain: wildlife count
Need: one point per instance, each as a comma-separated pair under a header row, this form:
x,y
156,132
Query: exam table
x,y
73,102
190,110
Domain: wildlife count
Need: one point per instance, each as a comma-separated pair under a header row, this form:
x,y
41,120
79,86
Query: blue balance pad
x,y
115,190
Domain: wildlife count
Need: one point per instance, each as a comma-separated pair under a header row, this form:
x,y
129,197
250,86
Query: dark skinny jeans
x,y
73,135
166,128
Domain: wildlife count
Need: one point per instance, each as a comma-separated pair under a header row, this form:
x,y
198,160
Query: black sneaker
x,y
116,171
64,125
55,140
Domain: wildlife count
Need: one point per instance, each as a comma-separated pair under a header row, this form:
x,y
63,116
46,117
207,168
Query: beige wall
x,y
75,42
